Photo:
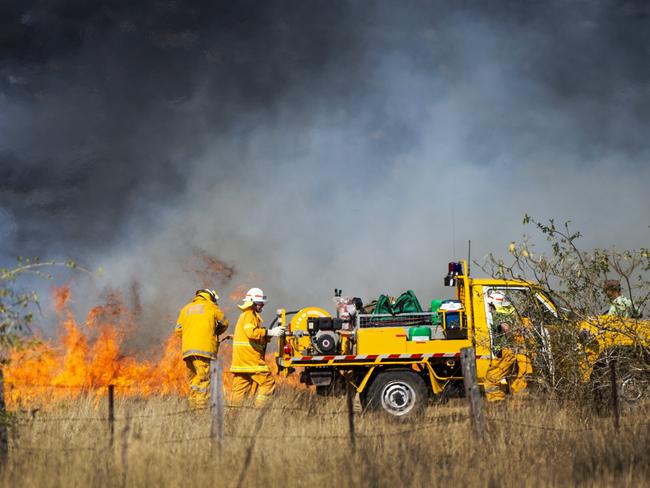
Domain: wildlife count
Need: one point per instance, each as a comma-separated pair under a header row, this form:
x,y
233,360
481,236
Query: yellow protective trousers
x,y
198,372
245,384
511,367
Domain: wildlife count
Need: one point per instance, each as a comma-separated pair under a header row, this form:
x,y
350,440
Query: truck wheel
x,y
634,385
397,393
633,380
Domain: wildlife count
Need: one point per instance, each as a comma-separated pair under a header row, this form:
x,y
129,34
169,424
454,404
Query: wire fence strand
x,y
311,410
436,422
191,411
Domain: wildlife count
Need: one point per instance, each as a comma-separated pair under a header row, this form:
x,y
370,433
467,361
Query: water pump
x,y
323,332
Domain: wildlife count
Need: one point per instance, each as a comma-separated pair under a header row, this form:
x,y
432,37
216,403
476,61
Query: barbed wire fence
x,y
432,423
217,433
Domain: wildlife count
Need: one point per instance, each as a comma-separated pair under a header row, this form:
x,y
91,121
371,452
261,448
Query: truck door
x,y
480,331
533,311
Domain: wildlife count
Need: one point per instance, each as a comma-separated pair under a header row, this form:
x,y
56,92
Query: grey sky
x,y
318,146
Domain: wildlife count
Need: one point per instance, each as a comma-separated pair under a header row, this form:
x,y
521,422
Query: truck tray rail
x,y
397,320
371,359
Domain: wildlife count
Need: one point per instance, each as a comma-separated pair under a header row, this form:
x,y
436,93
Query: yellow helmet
x,y
207,294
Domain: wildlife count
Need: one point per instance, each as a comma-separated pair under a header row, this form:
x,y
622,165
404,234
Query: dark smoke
x,y
315,144
108,106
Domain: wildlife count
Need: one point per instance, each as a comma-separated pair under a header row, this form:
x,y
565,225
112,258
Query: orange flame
x,y
87,357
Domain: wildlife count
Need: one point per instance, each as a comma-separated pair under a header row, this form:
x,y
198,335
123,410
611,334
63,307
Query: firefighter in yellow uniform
x,y
510,363
200,323
249,345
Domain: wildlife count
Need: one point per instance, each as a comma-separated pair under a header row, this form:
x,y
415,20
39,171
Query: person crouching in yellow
x,y
248,348
509,363
200,323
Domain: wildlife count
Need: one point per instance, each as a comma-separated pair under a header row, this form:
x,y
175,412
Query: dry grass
x,y
302,441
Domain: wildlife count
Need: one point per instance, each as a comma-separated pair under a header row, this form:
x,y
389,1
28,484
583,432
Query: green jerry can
x,y
419,334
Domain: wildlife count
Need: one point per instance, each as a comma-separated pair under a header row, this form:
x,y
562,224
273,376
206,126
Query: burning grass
x,y
303,441
87,356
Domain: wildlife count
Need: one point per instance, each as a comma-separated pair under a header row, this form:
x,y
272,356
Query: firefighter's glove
x,y
276,331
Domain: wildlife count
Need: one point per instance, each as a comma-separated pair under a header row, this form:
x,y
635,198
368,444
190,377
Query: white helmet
x,y
498,299
255,295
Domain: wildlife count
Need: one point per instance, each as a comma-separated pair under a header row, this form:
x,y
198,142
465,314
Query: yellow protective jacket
x,y
199,324
249,343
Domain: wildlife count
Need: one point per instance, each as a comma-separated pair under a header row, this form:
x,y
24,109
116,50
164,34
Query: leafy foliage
x,y
575,279
16,306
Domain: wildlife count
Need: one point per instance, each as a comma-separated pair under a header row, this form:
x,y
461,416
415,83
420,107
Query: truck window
x,y
529,305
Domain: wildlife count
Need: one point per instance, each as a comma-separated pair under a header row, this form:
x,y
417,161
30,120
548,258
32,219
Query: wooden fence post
x,y
4,431
111,414
350,403
472,391
216,403
616,408
124,450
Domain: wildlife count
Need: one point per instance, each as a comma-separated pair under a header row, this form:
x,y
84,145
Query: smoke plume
x,y
304,146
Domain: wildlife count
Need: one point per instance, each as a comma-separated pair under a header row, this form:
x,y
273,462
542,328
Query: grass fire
x,y
324,243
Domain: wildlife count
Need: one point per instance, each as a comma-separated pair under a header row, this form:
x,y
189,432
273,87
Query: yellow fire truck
x,y
396,362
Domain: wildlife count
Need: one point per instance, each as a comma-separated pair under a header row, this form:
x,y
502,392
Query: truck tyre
x,y
634,385
632,375
397,393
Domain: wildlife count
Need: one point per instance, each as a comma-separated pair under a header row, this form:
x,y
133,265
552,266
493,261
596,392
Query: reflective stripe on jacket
x,y
199,323
249,343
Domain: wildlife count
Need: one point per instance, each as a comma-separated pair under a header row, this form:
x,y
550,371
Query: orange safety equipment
x,y
198,373
199,324
511,367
